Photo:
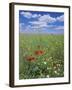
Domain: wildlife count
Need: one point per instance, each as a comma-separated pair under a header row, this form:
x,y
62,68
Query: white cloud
x,y
59,28
30,15
43,18
36,15
26,14
61,18
40,29
43,21
47,18
37,23
21,25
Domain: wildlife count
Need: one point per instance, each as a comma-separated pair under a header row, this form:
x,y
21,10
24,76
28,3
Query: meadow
x,y
41,56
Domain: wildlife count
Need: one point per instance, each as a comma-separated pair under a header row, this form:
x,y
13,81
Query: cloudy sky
x,y
41,22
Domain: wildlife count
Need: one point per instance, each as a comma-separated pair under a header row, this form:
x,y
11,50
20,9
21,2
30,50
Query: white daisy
x,y
45,62
55,72
47,76
48,68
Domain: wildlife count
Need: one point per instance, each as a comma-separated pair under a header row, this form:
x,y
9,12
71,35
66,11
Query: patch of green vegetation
x,y
48,61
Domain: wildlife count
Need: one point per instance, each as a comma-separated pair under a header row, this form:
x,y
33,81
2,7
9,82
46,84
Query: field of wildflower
x,y
41,56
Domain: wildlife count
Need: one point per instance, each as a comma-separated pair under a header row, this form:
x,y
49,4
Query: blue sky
x,y
41,22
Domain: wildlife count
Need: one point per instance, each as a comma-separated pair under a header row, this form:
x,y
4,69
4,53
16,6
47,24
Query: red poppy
x,y
39,52
30,58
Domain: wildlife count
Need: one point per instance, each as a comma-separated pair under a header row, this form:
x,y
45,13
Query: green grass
x,y
49,64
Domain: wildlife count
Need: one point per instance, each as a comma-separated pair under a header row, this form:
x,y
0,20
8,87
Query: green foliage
x,y
49,64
